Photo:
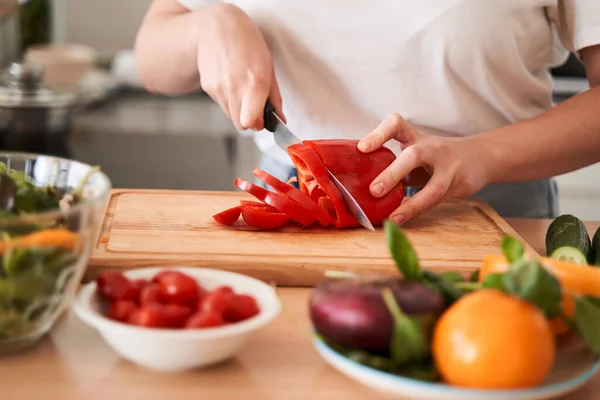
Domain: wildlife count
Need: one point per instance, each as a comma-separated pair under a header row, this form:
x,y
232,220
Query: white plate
x,y
574,366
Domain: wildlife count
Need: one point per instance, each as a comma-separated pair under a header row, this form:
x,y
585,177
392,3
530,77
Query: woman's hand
x,y
446,168
236,67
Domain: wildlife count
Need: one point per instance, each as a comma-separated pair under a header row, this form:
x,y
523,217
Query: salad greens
x,y
37,257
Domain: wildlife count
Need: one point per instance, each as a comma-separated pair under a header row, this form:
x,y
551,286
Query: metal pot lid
x,y
25,89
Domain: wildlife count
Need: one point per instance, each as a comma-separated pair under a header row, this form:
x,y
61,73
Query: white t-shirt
x,y
451,67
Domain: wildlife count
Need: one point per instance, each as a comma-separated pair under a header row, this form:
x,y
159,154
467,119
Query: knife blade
x,y
285,138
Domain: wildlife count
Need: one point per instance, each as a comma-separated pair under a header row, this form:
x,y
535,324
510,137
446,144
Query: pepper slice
x,y
245,204
281,203
313,179
297,195
264,220
229,216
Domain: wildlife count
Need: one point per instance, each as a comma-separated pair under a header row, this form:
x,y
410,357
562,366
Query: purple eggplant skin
x,y
351,311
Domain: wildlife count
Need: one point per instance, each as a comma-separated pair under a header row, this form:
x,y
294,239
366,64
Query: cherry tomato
x,y
161,274
176,315
121,310
113,286
140,283
151,316
241,307
218,300
179,288
150,294
206,319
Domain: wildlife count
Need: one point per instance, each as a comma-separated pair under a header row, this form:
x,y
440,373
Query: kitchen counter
x,y
279,362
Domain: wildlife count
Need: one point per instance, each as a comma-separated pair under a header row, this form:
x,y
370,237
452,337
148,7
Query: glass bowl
x,y
50,212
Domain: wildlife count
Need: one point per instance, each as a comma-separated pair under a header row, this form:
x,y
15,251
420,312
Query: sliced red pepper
x,y
297,195
229,216
356,170
264,220
258,206
283,204
314,180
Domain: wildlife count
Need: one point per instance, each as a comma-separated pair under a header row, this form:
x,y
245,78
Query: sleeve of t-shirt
x,y
577,23
197,4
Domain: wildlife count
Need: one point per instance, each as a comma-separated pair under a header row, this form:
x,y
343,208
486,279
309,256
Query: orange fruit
x,y
491,340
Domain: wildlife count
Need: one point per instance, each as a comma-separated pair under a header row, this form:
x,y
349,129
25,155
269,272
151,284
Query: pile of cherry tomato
x,y
172,300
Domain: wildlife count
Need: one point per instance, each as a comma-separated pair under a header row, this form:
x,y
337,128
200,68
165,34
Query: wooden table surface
x,y
279,362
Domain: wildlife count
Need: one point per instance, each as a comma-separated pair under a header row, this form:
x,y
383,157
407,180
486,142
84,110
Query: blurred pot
x,y
32,118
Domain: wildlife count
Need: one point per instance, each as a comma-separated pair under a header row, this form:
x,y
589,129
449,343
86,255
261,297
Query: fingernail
x,y
365,144
377,188
398,219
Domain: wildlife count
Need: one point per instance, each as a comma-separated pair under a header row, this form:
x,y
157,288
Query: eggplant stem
x,y
392,305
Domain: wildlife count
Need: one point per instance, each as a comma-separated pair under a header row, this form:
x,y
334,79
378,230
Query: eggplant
x,y
351,312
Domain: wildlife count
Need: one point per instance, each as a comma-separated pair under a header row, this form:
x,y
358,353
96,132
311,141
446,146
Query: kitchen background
x,y
151,141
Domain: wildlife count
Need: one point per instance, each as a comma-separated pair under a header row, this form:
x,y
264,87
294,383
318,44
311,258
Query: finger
x,y
433,192
234,113
276,100
392,127
253,105
408,160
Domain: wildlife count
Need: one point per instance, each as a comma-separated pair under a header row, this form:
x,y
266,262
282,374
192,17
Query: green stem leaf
x,y
528,280
513,250
587,321
408,343
402,252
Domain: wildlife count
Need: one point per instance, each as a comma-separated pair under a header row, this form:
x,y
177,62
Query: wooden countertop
x,y
279,362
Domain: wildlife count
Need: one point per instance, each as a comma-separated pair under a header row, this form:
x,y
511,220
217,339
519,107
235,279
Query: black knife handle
x,y
269,116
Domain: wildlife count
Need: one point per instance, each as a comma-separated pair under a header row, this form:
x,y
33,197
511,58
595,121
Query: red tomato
x,y
113,286
241,307
229,216
140,283
176,315
207,319
218,300
121,310
162,274
150,294
179,288
150,315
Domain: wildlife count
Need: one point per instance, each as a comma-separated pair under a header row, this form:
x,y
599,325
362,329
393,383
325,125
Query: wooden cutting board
x,y
175,228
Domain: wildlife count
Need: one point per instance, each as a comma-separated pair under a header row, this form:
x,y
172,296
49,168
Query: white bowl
x,y
181,349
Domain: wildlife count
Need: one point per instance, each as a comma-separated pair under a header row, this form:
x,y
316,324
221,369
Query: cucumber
x,y
568,230
571,254
596,248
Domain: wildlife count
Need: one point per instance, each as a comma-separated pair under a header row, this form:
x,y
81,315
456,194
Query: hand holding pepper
x,y
446,168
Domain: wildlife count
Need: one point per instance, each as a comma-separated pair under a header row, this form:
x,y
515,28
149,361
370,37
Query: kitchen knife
x,y
285,138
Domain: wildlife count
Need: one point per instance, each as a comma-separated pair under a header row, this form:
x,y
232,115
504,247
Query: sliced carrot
x,y
46,238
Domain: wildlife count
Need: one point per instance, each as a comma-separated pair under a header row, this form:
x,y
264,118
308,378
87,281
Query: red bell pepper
x,y
229,216
354,169
318,198
264,220
283,204
302,198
